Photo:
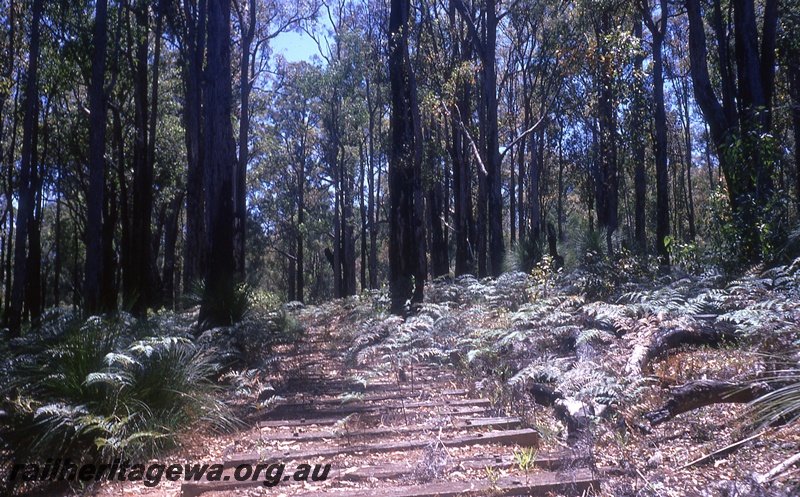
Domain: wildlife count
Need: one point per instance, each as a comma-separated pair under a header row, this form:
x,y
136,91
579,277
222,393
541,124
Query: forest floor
x,y
517,386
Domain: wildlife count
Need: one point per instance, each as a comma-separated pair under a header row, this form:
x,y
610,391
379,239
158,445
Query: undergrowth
x,y
117,386
106,387
556,329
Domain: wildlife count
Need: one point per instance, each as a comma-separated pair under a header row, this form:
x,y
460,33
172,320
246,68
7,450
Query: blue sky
x,y
295,46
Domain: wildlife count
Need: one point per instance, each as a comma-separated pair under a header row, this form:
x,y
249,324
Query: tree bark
x,y
33,278
462,191
700,393
733,124
97,166
142,209
794,81
492,147
658,30
27,162
440,262
240,180
640,179
404,284
194,263
371,221
220,159
171,234
606,179
301,206
661,342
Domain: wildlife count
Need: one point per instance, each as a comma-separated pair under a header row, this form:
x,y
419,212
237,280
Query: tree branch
x,y
464,130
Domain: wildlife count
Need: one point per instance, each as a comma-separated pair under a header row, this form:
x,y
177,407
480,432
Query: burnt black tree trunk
x,y
138,272
220,161
440,261
462,190
640,179
171,233
658,30
97,166
491,144
194,261
405,283
371,212
27,162
240,176
606,179
794,78
152,277
745,109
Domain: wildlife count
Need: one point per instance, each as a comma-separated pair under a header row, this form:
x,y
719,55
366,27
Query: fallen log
x,y
700,393
713,334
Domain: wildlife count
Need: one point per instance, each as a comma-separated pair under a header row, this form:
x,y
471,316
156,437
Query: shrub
x,y
105,387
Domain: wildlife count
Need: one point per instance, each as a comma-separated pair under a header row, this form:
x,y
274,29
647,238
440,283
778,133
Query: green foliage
x,y
782,405
522,255
224,305
251,341
106,386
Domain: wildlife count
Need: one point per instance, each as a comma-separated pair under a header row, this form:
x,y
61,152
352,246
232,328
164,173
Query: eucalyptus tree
x,y
490,201
28,162
193,46
258,23
219,159
741,120
658,31
97,166
407,270
295,114
536,67
344,117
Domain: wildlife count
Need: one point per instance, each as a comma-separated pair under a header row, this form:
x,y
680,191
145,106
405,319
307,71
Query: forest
x,y
183,207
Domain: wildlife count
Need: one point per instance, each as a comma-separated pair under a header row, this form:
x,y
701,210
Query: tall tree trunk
x,y
301,206
194,261
33,278
534,173
348,235
123,203
240,179
747,172
492,158
658,30
561,192
440,262
219,162
687,141
362,209
639,180
371,221
336,169
606,180
152,277
462,191
404,284
109,280
58,258
521,186
27,162
142,209
171,232
512,184
794,82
